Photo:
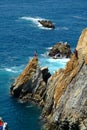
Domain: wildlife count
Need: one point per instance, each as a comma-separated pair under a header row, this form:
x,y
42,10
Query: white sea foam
x,y
10,70
44,60
53,64
35,20
29,106
79,17
62,28
48,48
64,60
17,69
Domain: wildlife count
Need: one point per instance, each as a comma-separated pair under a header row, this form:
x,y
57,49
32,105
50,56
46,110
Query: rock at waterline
x,y
66,97
63,95
31,83
46,23
60,50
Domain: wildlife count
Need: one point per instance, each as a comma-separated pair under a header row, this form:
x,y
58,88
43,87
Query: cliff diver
x,y
35,53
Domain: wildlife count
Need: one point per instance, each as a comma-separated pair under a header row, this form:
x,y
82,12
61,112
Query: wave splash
x,y
35,20
53,64
44,60
16,69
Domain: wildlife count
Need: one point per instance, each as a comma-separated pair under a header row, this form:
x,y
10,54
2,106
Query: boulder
x,y
46,23
60,50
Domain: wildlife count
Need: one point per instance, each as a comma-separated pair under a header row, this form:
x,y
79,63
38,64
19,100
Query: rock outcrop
x,y
31,83
60,50
66,98
63,95
46,23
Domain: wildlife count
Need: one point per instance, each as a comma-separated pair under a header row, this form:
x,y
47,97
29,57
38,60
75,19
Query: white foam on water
x,y
64,60
62,28
48,48
10,70
44,60
53,64
80,17
29,106
35,20
16,69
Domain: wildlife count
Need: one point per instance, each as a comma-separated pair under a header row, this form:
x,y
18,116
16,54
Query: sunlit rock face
x,y
66,101
31,83
63,95
60,50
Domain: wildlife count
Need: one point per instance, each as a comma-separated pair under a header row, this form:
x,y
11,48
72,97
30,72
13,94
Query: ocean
x,y
21,35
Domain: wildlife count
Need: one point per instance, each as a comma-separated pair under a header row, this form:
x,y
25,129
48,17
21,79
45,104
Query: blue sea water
x,y
21,36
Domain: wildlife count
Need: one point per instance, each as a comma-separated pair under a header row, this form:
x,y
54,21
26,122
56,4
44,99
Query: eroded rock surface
x,y
46,23
60,50
31,83
66,99
62,95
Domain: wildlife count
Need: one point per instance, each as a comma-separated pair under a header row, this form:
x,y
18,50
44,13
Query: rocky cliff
x,y
66,99
31,83
62,95
60,50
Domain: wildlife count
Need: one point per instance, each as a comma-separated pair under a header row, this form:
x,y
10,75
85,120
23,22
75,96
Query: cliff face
x,y
66,99
31,83
63,95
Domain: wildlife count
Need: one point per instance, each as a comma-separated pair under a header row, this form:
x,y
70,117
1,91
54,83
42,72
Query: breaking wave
x,y
53,64
44,60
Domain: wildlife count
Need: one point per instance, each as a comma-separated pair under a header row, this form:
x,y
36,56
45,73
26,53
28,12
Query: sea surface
x,y
21,35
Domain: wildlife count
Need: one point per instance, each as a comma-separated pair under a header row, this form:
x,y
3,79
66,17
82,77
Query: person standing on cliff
x,y
35,53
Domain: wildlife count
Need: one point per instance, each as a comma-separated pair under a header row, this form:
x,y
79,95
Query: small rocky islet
x,y
47,24
63,95
60,50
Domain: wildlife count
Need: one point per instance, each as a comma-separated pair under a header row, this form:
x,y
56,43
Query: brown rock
x,y
60,50
67,91
31,83
63,95
46,23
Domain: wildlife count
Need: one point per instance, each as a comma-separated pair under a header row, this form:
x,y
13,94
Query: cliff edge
x,y
66,99
31,83
63,95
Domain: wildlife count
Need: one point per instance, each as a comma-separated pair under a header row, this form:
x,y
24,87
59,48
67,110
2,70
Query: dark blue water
x,y
21,36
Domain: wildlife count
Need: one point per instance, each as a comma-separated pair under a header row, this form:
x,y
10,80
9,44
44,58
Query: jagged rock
x,y
46,23
31,83
60,50
66,95
63,95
